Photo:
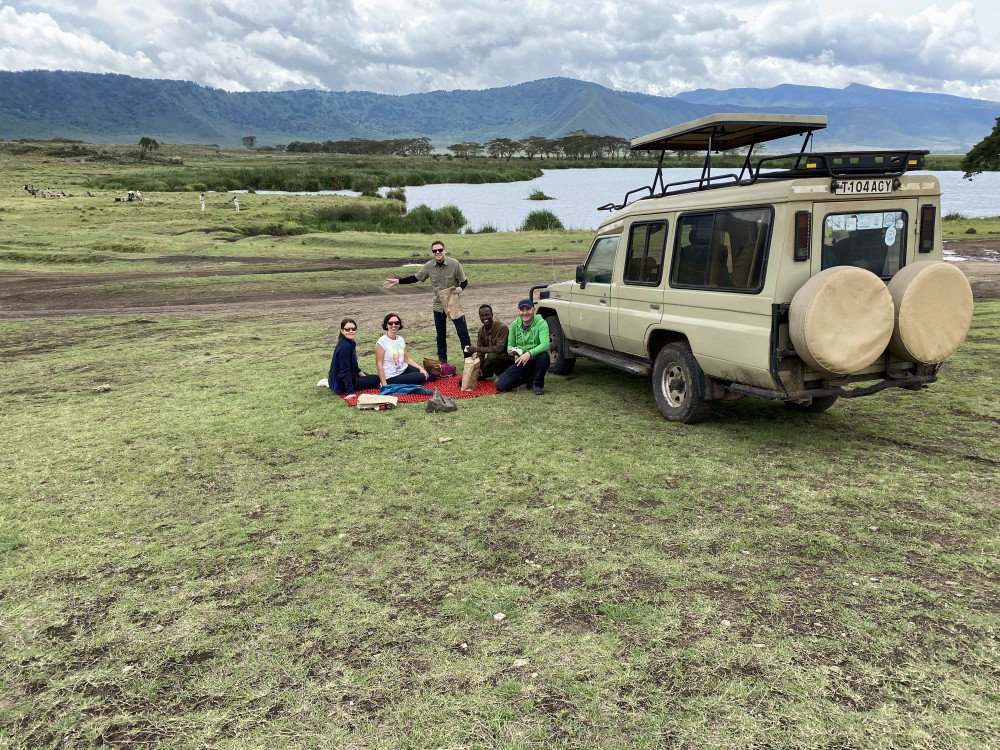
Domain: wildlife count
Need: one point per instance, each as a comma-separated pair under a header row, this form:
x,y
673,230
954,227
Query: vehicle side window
x,y
724,250
873,240
601,260
644,259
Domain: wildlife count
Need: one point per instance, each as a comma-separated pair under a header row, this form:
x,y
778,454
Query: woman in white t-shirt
x,y
395,366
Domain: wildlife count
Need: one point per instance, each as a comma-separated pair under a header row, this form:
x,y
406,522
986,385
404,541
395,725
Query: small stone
x,y
873,579
520,663
102,388
760,645
534,675
744,552
873,528
499,617
444,440
463,646
855,583
726,624
952,583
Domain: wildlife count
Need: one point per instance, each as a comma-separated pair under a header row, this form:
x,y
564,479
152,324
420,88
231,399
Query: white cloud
x,y
402,46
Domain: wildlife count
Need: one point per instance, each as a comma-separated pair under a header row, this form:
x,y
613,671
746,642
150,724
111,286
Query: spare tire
x,y
933,302
841,320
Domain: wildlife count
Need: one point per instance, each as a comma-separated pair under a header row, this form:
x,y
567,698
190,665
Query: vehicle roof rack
x,y
723,132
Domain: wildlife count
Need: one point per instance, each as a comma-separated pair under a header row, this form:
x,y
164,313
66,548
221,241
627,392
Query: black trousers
x,y
441,325
532,372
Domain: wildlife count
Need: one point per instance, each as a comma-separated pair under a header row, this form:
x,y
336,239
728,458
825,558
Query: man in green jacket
x,y
528,343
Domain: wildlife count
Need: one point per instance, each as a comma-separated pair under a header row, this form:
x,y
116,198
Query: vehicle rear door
x,y
637,300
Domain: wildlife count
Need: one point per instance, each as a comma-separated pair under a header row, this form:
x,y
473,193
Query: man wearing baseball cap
x,y
528,343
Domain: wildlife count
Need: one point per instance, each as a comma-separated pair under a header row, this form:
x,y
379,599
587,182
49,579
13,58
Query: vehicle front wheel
x,y
559,363
679,384
818,404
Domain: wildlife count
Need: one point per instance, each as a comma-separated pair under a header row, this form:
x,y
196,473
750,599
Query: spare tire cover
x,y
933,303
841,320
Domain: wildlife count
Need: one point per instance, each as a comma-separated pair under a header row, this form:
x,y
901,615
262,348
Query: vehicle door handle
x,y
603,300
653,307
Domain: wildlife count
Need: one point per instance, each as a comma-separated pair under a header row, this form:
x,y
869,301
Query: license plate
x,y
863,187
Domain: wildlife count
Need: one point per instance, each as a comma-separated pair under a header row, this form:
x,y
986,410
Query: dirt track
x,y
54,295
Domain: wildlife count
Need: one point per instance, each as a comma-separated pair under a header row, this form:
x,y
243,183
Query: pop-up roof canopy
x,y
721,132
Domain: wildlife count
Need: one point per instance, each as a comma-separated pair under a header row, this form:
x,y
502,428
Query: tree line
x,y
576,145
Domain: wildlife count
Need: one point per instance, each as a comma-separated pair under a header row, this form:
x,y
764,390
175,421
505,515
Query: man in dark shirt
x,y
444,273
491,344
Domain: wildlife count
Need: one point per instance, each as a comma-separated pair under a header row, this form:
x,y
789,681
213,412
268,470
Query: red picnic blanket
x,y
450,387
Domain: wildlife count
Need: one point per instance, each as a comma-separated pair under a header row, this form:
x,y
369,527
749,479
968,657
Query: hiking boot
x,y
539,391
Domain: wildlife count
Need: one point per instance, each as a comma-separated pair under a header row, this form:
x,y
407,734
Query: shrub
x,y
540,220
538,195
385,216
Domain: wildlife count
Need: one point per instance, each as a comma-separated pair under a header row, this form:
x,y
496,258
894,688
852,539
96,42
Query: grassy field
x,y
201,549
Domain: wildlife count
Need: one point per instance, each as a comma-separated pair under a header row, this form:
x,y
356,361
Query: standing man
x,y
528,343
201,200
236,204
444,273
491,344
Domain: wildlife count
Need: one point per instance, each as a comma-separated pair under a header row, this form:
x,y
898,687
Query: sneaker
x,y
539,391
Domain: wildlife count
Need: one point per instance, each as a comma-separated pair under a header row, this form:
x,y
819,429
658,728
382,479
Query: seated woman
x,y
345,376
395,366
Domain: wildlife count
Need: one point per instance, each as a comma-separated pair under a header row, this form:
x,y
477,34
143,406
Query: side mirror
x,y
581,276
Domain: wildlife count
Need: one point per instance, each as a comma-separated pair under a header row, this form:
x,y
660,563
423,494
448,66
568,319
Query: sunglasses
x,y
348,330
438,251
393,323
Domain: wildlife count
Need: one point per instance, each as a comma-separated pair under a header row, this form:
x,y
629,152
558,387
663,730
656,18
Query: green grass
x,y
956,226
199,548
216,553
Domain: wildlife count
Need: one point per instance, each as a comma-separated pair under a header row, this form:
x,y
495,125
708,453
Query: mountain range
x,y
114,108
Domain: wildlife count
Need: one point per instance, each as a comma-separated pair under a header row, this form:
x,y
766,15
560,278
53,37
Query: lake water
x,y
577,193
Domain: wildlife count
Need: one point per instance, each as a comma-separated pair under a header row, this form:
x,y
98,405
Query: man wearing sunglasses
x,y
444,273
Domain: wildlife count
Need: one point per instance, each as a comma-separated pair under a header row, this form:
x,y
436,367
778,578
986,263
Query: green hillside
x,y
112,108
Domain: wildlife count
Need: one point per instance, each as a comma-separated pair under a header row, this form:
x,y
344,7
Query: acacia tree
x,y
249,141
984,156
147,144
502,148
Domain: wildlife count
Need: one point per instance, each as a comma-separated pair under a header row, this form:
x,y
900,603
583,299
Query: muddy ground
x,y
26,294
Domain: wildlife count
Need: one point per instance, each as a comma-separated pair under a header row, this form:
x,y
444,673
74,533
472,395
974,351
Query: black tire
x,y
817,405
679,384
559,362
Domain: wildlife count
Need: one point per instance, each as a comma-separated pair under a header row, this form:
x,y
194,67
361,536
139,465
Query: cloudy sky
x,y
403,46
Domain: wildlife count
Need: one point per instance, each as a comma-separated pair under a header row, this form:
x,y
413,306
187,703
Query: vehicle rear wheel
x,y
679,384
559,363
818,404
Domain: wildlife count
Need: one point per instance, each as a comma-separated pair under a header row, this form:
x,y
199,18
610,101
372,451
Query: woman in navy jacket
x,y
345,376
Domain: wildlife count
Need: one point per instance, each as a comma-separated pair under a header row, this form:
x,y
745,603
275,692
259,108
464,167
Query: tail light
x,y
927,215
801,251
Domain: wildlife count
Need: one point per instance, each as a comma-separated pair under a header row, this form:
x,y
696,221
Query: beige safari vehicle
x,y
803,278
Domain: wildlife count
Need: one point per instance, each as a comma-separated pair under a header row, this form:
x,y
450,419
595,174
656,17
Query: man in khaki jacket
x,y
444,273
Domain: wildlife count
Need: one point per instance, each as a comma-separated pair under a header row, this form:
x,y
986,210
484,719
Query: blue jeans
x,y
533,372
441,324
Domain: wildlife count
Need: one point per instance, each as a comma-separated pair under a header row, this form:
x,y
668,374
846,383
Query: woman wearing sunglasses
x,y
395,366
345,375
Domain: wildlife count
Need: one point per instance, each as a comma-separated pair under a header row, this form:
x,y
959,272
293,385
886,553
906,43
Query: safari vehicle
x,y
803,278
